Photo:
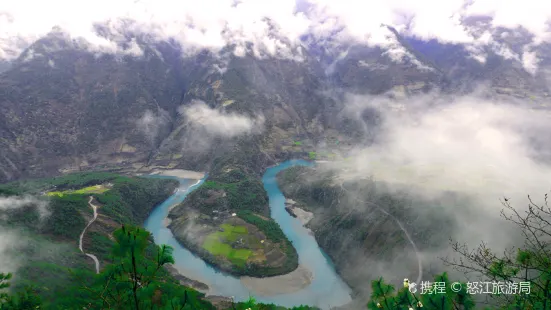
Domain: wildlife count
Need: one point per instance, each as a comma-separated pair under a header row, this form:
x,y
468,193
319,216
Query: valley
x,y
374,231
294,287
108,193
52,254
259,155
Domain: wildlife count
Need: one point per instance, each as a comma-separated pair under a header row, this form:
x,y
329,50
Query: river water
x,y
326,289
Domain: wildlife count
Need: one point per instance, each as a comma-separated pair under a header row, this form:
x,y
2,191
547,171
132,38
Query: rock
x,y
289,201
200,286
290,211
220,302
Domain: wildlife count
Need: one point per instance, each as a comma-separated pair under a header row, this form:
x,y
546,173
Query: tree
x,y
23,300
137,280
437,295
529,264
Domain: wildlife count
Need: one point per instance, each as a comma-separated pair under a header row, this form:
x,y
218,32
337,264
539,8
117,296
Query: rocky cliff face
x,y
368,231
65,108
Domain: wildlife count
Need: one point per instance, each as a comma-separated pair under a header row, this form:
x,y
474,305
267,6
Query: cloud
x,y
10,243
450,160
151,124
219,123
16,202
11,240
467,145
275,27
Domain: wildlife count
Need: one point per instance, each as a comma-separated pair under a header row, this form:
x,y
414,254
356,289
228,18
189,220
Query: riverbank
x,y
179,275
300,213
179,173
316,285
284,284
221,243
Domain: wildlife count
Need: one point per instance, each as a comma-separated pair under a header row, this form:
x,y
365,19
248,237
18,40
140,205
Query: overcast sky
x,y
215,23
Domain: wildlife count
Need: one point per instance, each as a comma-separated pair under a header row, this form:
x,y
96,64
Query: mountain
x,y
65,108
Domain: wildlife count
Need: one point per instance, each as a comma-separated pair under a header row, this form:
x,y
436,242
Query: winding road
x,y
92,256
419,262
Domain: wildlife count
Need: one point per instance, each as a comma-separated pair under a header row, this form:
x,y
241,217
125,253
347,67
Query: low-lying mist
x,y
12,240
451,160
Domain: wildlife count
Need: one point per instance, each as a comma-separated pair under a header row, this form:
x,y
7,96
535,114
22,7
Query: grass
x,y
298,143
227,103
233,230
95,189
217,244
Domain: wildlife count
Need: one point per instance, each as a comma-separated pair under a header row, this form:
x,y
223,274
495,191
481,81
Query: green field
x,y
95,189
219,243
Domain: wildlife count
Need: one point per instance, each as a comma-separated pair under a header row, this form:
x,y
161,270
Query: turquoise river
x,y
326,289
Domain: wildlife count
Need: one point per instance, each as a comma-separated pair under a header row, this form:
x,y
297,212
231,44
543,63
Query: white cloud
x,y
10,243
16,202
150,123
534,15
274,26
478,150
530,60
471,146
220,123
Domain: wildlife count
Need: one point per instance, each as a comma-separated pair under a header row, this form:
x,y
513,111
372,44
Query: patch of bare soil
x,y
284,284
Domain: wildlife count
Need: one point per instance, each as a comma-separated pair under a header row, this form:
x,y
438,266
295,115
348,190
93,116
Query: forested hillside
x,y
56,211
233,200
53,274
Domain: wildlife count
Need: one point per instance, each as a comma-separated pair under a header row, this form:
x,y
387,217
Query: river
x,y
326,289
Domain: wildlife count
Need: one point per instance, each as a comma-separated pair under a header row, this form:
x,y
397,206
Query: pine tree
x,y
137,280
23,300
437,295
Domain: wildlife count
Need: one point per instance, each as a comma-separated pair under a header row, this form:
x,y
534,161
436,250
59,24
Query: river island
x,y
226,221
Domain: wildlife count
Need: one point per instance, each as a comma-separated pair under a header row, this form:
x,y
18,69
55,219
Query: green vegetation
x,y
219,243
130,200
22,300
530,263
45,265
253,305
95,189
241,192
312,155
340,230
216,247
100,245
69,181
274,233
233,188
66,219
384,296
135,279
297,143
63,219
55,275
269,227
52,225
233,231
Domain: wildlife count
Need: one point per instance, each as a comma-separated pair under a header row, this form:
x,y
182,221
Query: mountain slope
x,y
65,108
